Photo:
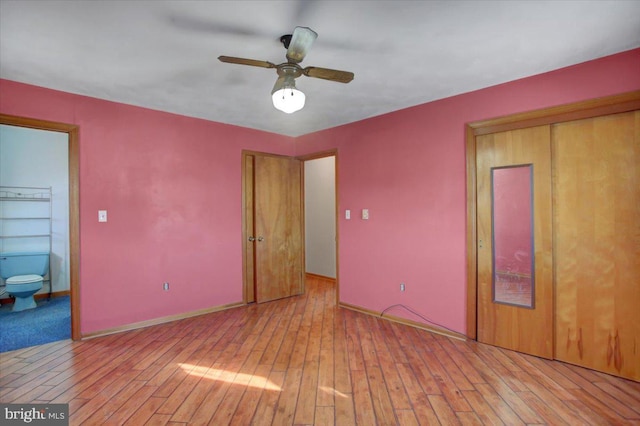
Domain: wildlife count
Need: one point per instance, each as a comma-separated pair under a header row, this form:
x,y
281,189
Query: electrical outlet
x,y
165,286
402,287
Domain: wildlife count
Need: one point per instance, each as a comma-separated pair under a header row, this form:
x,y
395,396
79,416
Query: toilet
x,y
23,275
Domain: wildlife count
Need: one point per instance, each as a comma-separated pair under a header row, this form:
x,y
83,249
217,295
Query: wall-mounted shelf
x,y
24,236
18,221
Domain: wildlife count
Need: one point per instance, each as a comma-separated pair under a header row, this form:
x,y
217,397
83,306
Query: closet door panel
x,y
509,324
596,221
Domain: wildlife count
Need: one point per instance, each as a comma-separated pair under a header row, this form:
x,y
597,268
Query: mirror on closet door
x,y
512,223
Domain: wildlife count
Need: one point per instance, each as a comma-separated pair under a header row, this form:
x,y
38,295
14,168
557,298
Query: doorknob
x,y
260,238
252,239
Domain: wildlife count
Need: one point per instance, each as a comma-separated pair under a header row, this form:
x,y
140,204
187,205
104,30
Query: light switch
x,y
347,214
365,214
102,215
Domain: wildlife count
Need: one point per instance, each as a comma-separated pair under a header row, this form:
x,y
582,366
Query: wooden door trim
x,y
74,204
558,114
574,111
245,279
317,155
314,156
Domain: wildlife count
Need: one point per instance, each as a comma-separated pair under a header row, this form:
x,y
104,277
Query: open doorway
x,y
317,257
64,271
320,217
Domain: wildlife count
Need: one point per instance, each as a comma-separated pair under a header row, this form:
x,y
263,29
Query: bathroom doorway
x,y
29,143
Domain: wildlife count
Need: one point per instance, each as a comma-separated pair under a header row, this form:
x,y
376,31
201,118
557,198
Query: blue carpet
x,y
49,322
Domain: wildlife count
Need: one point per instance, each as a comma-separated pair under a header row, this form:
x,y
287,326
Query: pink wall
x,y
171,185
408,169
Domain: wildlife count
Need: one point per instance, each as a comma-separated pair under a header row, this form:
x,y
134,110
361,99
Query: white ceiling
x,y
163,54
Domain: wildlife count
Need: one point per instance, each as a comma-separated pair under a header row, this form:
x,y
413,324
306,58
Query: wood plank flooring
x,y
304,361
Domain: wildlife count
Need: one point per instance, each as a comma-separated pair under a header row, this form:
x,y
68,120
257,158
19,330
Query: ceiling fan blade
x,y
328,74
243,61
301,42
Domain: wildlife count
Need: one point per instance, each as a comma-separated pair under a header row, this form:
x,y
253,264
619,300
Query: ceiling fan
x,y
286,97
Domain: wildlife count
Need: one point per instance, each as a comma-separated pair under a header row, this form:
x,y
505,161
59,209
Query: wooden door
x,y
597,242
506,321
277,220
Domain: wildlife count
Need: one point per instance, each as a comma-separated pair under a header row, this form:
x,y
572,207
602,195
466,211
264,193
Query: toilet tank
x,y
24,263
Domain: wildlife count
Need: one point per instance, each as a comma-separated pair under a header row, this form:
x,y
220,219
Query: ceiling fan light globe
x,y
288,99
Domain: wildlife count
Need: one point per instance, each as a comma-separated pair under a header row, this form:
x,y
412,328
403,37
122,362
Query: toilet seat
x,y
24,279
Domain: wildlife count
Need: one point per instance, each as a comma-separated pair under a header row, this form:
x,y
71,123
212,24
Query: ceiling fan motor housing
x,y
289,70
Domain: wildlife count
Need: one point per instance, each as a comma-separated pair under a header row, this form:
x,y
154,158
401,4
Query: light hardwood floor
x,y
305,361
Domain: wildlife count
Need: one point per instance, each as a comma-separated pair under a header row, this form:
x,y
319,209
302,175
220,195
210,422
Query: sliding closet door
x,y
596,221
514,245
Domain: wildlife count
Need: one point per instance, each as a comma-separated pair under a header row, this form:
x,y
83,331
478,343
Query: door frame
x,y
314,156
247,285
248,282
574,111
74,204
